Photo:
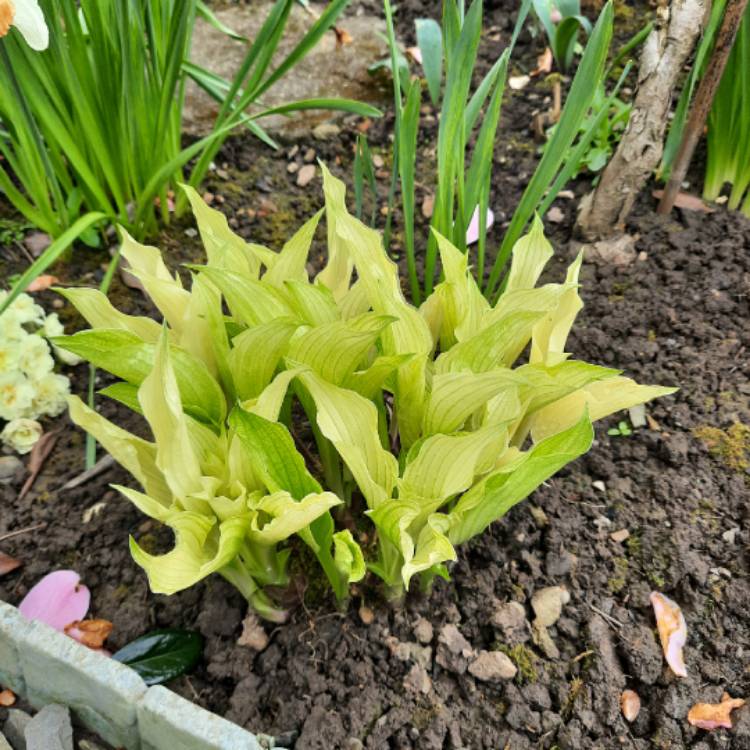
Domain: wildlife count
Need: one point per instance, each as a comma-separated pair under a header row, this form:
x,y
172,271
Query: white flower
x,y
53,327
11,326
21,434
27,17
49,395
9,354
16,395
34,357
26,310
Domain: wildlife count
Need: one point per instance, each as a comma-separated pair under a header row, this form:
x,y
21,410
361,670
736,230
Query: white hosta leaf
x,y
348,557
159,398
146,504
432,547
551,333
456,396
314,305
350,422
280,516
201,547
268,404
165,290
335,350
337,274
291,264
377,376
255,354
602,398
135,455
354,302
496,494
98,312
530,255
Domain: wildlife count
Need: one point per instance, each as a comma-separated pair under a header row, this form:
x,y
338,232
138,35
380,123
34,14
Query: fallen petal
x,y
672,631
518,82
472,231
91,633
714,715
7,698
630,704
40,283
58,599
415,53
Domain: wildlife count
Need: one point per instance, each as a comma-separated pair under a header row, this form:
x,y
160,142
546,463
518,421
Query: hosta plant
x,y
428,423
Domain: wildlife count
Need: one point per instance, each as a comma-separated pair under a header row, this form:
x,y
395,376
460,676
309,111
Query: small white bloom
x,y
27,17
11,326
21,434
16,395
34,357
49,395
9,355
26,309
52,326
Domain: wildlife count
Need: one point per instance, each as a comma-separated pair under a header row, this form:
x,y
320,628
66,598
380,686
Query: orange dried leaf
x,y
672,631
342,36
7,698
543,62
91,633
415,53
8,563
714,715
40,283
630,704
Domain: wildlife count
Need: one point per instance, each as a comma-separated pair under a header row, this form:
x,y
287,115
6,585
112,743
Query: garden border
x,y
46,666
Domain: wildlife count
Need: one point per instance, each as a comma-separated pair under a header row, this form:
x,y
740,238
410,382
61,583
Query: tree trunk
x,y
665,51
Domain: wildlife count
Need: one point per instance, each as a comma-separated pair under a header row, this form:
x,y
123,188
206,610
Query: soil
x,y
382,676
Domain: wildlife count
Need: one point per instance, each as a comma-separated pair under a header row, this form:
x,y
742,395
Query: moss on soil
x,y
730,446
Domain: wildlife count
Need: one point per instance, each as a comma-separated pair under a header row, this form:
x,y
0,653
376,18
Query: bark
x,y
665,51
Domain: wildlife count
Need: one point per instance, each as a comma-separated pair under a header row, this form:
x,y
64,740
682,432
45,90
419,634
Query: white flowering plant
x,y
29,386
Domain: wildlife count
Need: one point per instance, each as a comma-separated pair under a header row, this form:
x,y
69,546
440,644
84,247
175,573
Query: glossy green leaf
x,y
162,655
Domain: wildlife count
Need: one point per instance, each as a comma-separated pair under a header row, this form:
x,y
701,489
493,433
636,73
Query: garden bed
x,y
379,676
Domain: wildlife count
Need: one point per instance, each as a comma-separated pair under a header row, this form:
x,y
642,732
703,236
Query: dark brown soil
x,y
677,316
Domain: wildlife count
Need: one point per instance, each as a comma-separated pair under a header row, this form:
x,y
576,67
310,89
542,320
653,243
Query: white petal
x,y
30,22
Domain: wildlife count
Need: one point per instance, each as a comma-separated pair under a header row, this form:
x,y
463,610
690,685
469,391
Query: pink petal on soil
x,y
58,599
472,231
672,631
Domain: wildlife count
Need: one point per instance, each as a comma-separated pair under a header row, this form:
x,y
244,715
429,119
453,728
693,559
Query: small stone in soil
x,y
619,536
543,639
305,175
292,167
253,634
309,155
493,666
423,631
547,604
366,615
325,130
510,620
9,465
417,680
50,729
15,726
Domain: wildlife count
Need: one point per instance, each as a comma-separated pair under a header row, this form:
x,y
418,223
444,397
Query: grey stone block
x,y
169,722
12,627
4,743
15,728
50,729
102,692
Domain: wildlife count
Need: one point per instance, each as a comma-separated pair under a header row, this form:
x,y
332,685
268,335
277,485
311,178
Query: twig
x,y
611,620
18,532
104,463
704,98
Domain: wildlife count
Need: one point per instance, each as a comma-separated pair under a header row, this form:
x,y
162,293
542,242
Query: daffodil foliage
x,y
428,424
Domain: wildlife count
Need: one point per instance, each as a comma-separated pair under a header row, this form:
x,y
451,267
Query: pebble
x,y
547,604
510,619
730,535
619,536
9,465
292,167
305,175
493,666
15,726
50,729
325,130
423,631
417,680
37,242
366,615
309,155
543,639
451,637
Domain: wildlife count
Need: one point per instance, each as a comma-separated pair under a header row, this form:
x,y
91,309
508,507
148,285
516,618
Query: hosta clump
x,y
426,424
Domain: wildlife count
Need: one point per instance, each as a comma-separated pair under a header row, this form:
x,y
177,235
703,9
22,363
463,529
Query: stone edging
x,y
45,666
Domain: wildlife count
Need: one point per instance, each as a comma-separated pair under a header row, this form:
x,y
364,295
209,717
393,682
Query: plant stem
x,y
703,99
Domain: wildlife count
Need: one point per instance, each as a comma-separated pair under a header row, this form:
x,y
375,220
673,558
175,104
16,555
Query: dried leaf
x,y
8,564
342,36
543,62
688,202
40,283
714,715
428,205
39,454
630,704
672,631
91,633
7,698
